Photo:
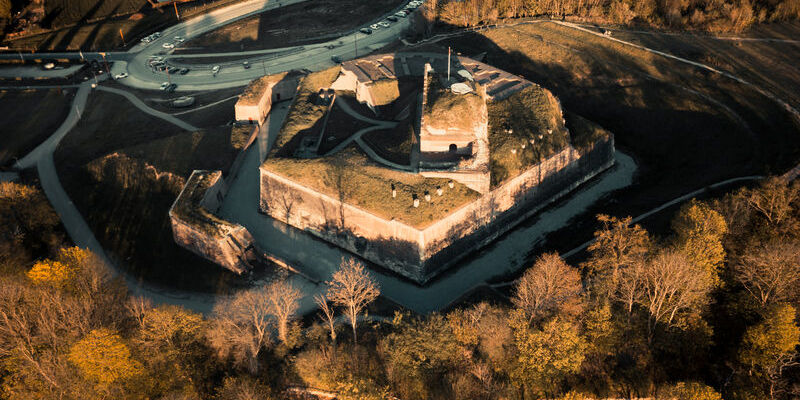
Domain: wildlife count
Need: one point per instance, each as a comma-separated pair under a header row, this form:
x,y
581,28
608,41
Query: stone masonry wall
x,y
421,253
218,241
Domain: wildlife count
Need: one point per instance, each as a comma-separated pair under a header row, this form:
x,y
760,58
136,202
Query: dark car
x,y
171,88
392,18
365,31
336,59
184,71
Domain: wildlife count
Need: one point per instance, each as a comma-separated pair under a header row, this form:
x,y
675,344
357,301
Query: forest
x,y
701,15
708,311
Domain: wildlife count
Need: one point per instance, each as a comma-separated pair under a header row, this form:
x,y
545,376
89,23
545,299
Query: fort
x,y
409,160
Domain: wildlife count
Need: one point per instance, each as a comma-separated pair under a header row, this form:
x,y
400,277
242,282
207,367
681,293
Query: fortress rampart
x,y
420,253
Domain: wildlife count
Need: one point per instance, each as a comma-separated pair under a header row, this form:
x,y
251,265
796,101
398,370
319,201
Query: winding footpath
x,y
78,230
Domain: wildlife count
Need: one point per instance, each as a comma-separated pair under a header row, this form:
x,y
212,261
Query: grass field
x,y
296,24
368,185
28,118
123,169
524,129
773,65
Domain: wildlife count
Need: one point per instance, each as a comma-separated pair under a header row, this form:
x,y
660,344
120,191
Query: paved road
x,y
314,57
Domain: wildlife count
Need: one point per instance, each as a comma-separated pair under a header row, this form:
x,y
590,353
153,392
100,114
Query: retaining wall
x,y
419,254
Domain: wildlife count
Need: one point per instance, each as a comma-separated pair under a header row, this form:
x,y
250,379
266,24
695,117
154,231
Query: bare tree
x,y
283,300
137,306
327,313
773,200
352,289
670,284
630,286
618,244
241,327
547,288
771,272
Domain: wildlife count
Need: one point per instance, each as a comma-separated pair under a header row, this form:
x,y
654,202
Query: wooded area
x,y
708,15
706,312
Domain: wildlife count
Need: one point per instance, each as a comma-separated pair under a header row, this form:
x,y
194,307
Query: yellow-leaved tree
x,y
103,357
51,272
62,271
699,231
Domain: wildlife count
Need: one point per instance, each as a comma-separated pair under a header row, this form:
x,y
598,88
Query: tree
x,y
103,357
617,245
549,287
5,9
671,284
774,200
352,288
51,273
419,352
327,313
545,357
699,231
283,300
689,390
240,327
167,326
238,388
770,346
770,272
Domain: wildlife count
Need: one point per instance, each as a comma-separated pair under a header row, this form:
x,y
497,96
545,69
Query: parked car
x,y
401,14
365,31
391,18
375,27
172,69
215,70
171,88
246,64
164,85
383,24
184,71
121,76
336,59
168,45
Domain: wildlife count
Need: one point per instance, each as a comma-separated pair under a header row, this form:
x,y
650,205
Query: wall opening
x,y
453,148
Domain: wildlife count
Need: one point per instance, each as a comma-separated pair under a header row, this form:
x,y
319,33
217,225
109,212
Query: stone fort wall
x,y
419,254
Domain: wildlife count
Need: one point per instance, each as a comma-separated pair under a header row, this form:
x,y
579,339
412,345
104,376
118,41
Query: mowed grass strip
x,y
29,117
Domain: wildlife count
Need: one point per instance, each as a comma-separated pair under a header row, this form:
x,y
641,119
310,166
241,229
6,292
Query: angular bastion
x,y
410,160
414,160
